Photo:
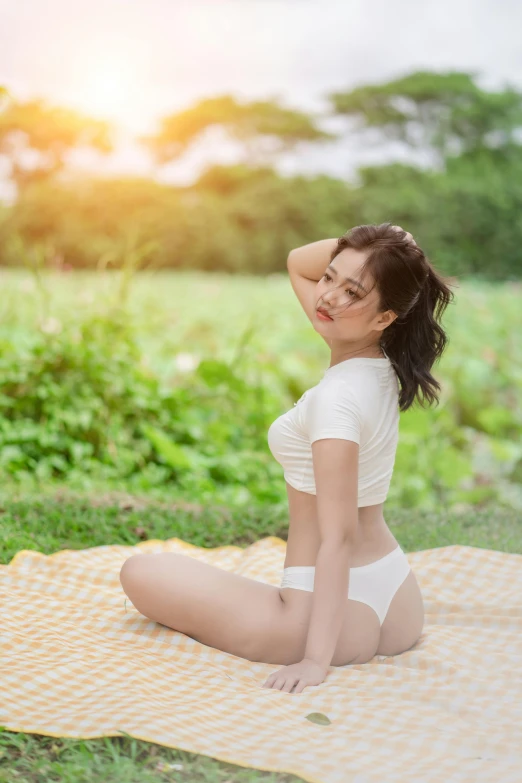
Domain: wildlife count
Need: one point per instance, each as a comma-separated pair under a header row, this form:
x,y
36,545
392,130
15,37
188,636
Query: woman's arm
x,y
306,265
335,464
331,582
310,261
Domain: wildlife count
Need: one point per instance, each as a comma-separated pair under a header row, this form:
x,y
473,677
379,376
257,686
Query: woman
x,y
348,592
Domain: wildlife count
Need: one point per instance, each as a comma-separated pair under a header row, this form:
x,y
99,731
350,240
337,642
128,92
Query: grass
x,y
31,758
58,518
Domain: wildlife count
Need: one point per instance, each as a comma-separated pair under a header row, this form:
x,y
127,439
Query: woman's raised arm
x,y
310,261
306,265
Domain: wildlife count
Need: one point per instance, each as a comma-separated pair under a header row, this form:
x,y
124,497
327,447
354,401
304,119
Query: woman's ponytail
x,y
411,288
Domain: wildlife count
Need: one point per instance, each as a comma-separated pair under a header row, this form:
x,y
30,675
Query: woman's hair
x,y
408,285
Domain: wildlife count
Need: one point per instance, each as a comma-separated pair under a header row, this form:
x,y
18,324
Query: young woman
x,y
348,592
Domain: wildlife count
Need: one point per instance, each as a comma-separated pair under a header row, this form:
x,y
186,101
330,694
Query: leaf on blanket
x,y
319,717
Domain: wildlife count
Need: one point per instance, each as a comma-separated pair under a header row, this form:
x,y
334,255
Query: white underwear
x,y
374,584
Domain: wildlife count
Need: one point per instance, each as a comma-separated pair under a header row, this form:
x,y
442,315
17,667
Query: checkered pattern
x,y
77,663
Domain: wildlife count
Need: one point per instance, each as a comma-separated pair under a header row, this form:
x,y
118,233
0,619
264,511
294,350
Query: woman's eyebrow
x,y
347,279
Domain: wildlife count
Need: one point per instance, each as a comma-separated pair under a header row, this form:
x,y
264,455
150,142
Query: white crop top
x,y
357,399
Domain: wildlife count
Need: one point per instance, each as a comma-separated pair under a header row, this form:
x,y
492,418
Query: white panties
x,y
374,584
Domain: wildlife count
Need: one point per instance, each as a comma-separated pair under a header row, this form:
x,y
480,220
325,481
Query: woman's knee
x,y
132,571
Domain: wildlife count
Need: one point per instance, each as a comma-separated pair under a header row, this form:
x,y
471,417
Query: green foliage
x,y
240,219
463,211
99,396
37,758
80,403
452,112
236,219
73,399
250,122
48,133
81,400
94,223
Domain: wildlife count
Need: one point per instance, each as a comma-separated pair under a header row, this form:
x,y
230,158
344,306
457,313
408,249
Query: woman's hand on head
x,y
408,236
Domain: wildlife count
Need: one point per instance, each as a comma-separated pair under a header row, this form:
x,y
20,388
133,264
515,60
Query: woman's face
x,y
352,303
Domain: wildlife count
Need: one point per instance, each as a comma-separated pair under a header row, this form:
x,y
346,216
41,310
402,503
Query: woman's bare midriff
x,y
374,539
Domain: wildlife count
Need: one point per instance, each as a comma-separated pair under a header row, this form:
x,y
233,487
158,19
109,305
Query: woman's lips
x,y
323,316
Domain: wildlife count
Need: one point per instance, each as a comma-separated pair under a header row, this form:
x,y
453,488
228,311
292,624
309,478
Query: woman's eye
x,y
348,290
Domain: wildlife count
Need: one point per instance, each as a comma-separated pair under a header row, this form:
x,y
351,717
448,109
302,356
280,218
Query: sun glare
x,y
108,90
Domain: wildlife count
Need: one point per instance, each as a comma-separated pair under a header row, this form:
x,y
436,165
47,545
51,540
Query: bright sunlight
x,y
107,88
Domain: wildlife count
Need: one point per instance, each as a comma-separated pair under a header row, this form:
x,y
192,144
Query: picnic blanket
x,y
78,660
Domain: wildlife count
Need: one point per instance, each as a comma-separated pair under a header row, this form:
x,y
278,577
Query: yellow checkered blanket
x,y
78,660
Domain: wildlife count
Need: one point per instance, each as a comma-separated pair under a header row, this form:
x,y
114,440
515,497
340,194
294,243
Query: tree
x,y
445,112
36,137
263,127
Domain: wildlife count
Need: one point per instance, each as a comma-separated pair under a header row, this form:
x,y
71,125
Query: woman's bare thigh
x,y
256,620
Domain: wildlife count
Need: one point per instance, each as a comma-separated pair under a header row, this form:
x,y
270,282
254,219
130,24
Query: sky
x,y
134,61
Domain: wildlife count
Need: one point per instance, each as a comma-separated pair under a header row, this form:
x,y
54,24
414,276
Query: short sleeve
x,y
333,412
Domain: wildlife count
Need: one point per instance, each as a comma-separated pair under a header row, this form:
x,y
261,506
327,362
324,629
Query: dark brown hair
x,y
408,285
